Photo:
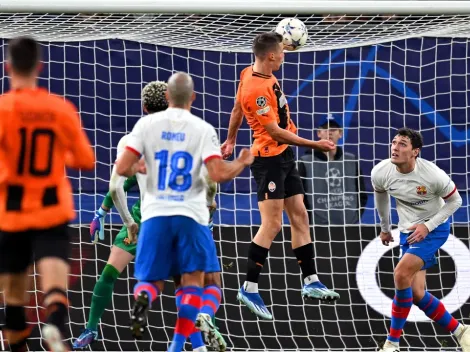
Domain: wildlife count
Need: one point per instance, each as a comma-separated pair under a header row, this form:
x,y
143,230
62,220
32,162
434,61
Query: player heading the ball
x,y
265,107
40,135
175,237
426,197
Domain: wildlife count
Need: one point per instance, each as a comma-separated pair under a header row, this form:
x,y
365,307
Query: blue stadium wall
x,y
420,83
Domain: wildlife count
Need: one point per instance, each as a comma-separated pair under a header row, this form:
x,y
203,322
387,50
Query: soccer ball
x,y
294,33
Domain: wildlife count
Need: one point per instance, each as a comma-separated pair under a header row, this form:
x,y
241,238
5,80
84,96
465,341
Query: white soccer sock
x,y
200,349
250,287
457,332
312,278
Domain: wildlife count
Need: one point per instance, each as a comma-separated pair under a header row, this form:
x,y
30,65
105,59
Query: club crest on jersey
x,y
271,186
261,102
421,190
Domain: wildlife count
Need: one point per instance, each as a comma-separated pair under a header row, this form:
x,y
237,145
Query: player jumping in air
x,y
175,145
261,100
40,135
123,250
426,197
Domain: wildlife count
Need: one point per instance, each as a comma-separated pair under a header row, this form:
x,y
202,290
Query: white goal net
x,y
373,73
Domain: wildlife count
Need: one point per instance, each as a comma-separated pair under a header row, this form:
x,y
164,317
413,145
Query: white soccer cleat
x,y
53,338
464,338
390,347
211,335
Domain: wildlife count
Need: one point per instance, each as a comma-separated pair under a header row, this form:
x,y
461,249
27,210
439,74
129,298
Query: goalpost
x,y
379,65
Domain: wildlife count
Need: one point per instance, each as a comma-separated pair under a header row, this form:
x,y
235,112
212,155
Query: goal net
x,y
373,73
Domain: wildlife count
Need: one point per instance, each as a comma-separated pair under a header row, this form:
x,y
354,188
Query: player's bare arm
x,y
222,171
236,119
286,137
128,164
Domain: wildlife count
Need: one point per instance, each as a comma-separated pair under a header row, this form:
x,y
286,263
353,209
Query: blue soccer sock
x,y
196,336
401,307
191,301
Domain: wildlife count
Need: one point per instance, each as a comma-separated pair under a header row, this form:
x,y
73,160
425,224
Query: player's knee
x,y
402,278
212,279
418,294
273,227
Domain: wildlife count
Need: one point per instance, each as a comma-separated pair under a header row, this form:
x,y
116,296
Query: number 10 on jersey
x,y
180,165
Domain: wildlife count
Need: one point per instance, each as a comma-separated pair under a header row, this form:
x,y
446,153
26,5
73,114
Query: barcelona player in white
x,y
426,197
174,233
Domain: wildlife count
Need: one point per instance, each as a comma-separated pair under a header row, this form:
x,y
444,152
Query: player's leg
x,y
122,253
211,298
51,251
152,265
271,222
404,274
196,254
303,249
15,257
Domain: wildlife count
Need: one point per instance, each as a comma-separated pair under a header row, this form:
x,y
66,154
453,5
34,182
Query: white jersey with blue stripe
x,y
175,145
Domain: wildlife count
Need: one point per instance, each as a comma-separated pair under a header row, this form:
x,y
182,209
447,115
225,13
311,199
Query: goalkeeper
x,y
124,248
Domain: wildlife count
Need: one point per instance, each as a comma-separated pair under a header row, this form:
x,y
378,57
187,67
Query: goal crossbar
x,y
238,6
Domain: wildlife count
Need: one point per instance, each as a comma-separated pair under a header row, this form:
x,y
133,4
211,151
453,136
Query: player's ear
x,y
8,66
167,96
39,67
193,97
144,108
340,130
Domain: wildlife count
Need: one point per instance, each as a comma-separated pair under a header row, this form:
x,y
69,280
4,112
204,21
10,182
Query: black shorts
x,y
20,249
277,176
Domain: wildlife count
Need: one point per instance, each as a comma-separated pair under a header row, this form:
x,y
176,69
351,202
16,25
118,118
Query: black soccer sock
x,y
256,257
57,309
16,330
305,259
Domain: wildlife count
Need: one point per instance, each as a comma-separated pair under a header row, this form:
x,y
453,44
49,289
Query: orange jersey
x,y
263,102
40,135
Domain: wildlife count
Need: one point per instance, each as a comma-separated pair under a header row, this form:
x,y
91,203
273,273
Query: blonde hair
x,y
153,96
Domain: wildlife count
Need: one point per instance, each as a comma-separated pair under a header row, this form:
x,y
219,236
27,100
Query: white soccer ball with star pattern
x,y
294,33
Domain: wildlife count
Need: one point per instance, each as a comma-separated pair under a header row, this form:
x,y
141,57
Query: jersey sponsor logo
x,y
421,190
173,136
261,102
263,111
271,186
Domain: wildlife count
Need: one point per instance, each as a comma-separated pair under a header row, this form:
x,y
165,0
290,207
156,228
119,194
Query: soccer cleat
x,y
464,339
53,338
316,290
390,347
139,316
86,338
255,303
212,336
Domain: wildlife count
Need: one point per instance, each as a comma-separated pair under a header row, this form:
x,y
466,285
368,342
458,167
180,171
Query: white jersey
x,y
141,178
419,194
175,145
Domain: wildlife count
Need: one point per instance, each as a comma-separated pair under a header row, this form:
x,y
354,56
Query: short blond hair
x,y
153,96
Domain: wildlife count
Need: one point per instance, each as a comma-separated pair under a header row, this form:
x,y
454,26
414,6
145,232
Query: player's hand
x,y
97,226
386,238
246,157
324,145
132,231
227,149
142,169
419,234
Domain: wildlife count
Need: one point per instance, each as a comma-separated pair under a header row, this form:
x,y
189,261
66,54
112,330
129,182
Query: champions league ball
x,y
294,33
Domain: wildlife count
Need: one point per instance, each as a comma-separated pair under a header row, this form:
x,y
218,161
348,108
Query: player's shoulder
x,y
382,168
199,123
123,142
427,170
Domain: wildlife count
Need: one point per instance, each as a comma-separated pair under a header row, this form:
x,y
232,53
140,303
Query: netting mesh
x,y
422,83
225,32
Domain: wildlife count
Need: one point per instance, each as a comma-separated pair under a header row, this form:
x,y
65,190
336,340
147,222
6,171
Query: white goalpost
x,y
376,65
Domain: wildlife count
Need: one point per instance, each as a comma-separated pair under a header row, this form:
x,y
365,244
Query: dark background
x,y
350,323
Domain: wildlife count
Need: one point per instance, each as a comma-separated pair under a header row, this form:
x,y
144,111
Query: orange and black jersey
x,y
40,135
263,102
